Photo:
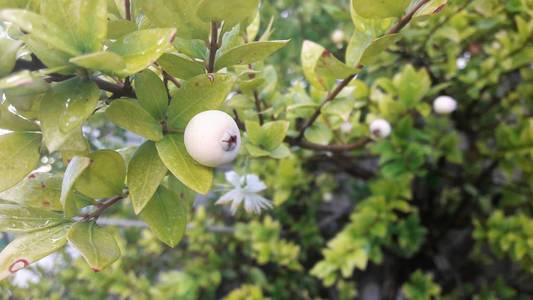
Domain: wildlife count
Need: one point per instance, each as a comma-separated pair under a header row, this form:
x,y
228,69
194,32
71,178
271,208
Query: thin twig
x,y
330,97
407,18
213,47
172,79
127,8
258,108
103,207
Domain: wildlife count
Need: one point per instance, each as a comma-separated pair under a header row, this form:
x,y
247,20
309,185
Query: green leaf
x,y
41,29
8,55
151,93
177,14
380,8
191,48
311,53
75,168
249,53
49,55
329,66
430,8
145,173
201,93
357,47
40,190
68,105
269,136
15,218
379,45
166,214
19,154
106,62
229,11
119,28
85,33
29,248
97,245
180,66
131,116
104,177
24,4
13,122
141,48
175,157
319,134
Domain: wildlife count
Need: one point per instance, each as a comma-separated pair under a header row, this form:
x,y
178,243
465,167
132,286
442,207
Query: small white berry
x,y
444,105
212,138
380,128
338,36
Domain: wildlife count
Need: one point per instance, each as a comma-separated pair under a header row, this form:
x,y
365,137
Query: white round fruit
x,y
380,128
212,138
338,36
444,105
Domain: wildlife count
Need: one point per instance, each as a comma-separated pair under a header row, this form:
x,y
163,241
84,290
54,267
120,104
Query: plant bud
x,y
338,36
212,138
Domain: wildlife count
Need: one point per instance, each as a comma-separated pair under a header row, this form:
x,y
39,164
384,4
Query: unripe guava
x,y
212,138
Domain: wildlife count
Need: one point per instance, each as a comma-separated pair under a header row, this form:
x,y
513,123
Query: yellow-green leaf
x,y
19,154
180,66
97,245
104,177
106,62
166,214
174,155
15,218
145,173
151,93
129,115
249,53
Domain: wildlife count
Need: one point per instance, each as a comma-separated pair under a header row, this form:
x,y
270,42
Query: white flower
x,y
246,188
380,128
444,105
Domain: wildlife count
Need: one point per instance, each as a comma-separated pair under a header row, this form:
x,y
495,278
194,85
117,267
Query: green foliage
x,y
421,287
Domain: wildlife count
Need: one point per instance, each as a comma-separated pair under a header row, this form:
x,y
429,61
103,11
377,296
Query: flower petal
x,y
254,184
230,196
233,178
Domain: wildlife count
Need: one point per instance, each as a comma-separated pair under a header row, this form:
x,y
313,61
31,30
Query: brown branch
x,y
258,108
407,18
172,79
103,207
127,7
118,89
330,97
213,47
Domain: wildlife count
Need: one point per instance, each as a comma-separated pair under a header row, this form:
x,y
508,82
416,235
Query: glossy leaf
x,y
151,93
85,33
19,154
40,190
249,53
201,93
166,214
13,122
75,168
145,173
141,48
129,115
104,177
380,8
376,47
97,245
69,104
329,66
175,157
106,62
269,136
229,11
180,67
179,14
311,53
29,248
15,218
119,28
42,29
8,55
50,56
